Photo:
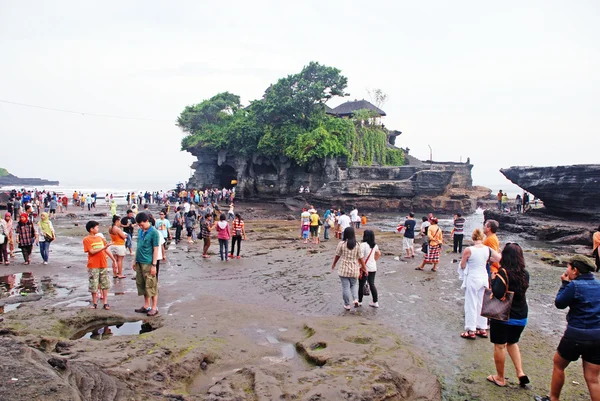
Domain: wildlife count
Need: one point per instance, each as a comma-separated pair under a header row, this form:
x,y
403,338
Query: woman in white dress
x,y
475,282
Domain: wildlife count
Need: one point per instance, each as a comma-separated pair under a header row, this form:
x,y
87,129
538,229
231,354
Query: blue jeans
x,y
128,241
349,289
223,248
326,235
44,250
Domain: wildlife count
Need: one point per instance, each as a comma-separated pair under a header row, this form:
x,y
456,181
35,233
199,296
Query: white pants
x,y
474,290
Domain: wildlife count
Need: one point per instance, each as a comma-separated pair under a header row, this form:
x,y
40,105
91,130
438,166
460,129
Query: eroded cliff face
x,y
418,187
563,189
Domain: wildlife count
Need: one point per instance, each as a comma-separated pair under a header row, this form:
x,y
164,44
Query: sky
x,y
504,83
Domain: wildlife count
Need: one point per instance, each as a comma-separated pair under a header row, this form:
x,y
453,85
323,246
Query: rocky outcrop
x,y
11,180
418,187
539,225
563,189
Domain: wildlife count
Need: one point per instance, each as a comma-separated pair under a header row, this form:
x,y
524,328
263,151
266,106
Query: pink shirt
x,y
223,230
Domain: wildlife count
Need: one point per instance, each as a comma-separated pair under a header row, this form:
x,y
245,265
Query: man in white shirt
x,y
186,206
354,217
344,222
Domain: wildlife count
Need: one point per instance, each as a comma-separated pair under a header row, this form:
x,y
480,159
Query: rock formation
x,y
11,180
422,186
563,189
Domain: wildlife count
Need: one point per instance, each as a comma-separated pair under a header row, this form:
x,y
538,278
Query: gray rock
x,y
563,189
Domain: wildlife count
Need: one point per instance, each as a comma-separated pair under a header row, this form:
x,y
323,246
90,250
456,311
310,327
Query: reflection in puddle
x,y
102,332
23,284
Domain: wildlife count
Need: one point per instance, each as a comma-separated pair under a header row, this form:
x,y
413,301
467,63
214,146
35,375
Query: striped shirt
x,y
459,225
349,266
238,227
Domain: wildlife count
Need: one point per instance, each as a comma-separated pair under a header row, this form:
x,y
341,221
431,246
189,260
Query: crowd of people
x,y
483,266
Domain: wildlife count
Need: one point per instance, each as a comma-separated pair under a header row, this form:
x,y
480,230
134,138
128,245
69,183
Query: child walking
x,y
97,249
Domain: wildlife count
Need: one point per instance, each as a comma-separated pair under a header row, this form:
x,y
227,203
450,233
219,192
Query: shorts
x,y
52,210
571,350
408,243
146,284
305,234
314,231
501,333
118,250
98,279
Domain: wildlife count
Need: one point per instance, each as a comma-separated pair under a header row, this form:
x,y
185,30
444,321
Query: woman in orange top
x,y
435,237
117,236
596,249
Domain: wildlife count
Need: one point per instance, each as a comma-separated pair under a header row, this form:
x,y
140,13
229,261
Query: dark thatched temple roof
x,y
346,109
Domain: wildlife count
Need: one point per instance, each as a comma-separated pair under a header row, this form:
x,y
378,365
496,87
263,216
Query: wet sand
x,y
282,301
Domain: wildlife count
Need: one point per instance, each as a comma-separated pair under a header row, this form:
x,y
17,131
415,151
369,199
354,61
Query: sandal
x,y
434,270
482,333
492,379
418,268
524,381
121,276
152,312
94,306
142,310
106,306
469,335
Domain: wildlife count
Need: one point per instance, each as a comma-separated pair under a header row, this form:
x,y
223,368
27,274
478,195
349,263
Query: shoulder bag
x,y
494,308
366,288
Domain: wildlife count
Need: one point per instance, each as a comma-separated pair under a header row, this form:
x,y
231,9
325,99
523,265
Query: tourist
x,y
314,226
499,198
326,216
352,264
519,203
117,237
475,282
305,224
53,206
490,228
424,225
409,235
144,264
65,204
190,222
96,248
89,200
127,225
596,248
457,238
505,207
230,213
4,238
26,236
354,218
363,220
434,246
46,235
238,232
371,253
161,246
206,228
178,221
505,335
580,292
343,223
223,234
107,201
163,225
526,206
113,208
10,238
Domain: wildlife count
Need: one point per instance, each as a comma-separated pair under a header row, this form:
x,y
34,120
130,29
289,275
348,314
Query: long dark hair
x,y
369,238
350,237
514,263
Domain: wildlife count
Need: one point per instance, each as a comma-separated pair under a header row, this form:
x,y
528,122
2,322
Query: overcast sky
x,y
504,83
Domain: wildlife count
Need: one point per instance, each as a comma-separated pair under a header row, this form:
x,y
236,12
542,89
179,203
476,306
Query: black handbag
x,y
494,308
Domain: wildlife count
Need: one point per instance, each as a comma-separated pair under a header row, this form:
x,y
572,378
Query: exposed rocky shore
x,y
538,224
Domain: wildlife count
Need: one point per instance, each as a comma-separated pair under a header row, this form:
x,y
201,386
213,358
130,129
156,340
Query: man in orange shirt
x,y
490,228
96,248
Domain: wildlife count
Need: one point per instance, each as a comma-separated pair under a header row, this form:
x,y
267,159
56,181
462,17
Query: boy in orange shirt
x,y
96,248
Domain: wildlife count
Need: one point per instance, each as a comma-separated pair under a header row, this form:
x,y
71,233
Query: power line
x,y
79,112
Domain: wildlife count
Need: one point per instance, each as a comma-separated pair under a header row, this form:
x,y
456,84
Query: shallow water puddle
x,y
23,284
103,331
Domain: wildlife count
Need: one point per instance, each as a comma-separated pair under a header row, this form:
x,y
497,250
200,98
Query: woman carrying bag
x,y
505,335
352,263
369,248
